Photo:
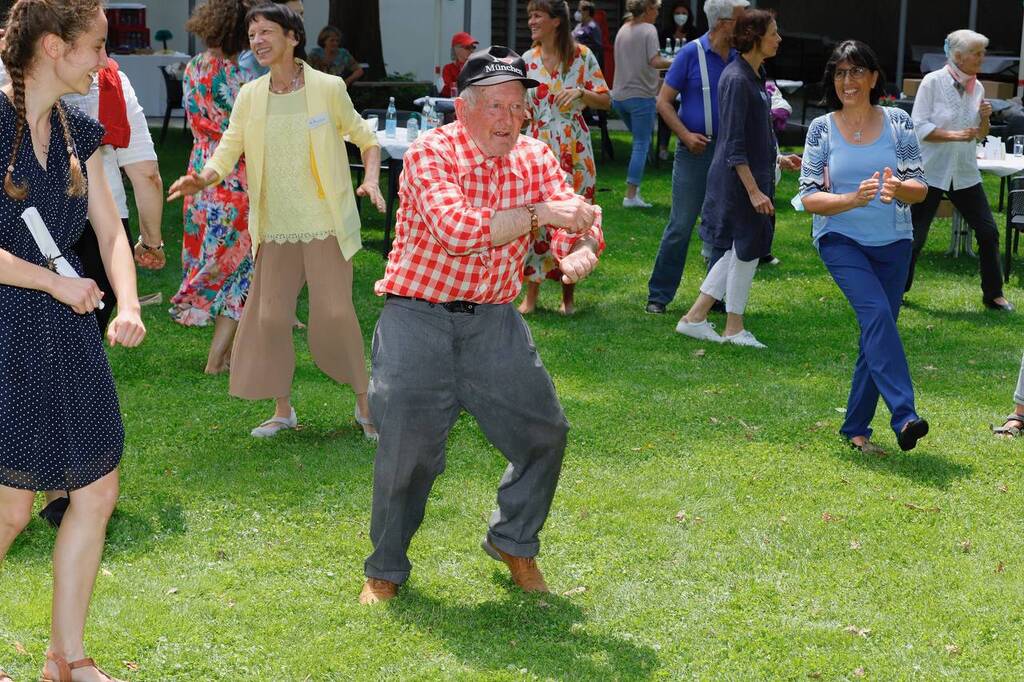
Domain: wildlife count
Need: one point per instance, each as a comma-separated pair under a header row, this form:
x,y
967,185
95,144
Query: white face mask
x,y
680,19
578,16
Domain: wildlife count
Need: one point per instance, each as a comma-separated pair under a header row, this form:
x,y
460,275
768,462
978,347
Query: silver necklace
x,y
294,84
857,134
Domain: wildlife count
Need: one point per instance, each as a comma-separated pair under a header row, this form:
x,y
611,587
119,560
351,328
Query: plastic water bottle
x,y
437,119
391,119
427,115
412,129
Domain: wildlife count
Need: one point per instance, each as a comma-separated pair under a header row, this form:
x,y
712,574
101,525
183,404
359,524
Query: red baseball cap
x,y
464,39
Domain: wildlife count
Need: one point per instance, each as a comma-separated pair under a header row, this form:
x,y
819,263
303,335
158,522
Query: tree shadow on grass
x,y
539,633
919,466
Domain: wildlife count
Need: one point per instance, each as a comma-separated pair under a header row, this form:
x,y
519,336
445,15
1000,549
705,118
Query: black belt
x,y
468,307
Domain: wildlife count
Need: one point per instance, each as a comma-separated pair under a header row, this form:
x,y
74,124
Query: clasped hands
x,y
884,185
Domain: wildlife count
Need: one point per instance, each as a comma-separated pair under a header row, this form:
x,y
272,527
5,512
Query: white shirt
x,y
940,105
140,146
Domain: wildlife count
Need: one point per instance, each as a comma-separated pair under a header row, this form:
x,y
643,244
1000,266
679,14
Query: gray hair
x,y
964,40
716,10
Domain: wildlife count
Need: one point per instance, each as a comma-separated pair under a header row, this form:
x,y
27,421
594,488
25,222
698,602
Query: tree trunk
x,y
359,21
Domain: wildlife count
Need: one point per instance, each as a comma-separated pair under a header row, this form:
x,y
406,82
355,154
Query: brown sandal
x,y
1011,428
64,668
4,677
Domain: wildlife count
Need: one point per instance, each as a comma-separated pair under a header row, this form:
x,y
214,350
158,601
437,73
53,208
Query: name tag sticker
x,y
317,121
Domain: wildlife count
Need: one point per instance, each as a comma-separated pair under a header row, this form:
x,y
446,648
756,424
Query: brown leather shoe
x,y
375,590
524,570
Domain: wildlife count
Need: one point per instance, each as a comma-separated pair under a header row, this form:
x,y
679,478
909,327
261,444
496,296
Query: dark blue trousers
x,y
873,278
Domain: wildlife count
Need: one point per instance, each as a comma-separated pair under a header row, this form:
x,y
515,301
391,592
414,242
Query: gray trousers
x,y
429,364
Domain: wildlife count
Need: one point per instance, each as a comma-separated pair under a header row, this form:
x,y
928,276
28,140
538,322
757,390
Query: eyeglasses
x,y
854,72
496,109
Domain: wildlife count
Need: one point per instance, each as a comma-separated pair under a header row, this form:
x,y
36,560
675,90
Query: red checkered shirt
x,y
449,192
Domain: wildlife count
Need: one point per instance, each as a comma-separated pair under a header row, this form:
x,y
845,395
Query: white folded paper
x,y
47,247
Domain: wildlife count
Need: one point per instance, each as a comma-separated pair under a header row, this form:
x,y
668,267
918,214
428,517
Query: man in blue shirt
x,y
696,143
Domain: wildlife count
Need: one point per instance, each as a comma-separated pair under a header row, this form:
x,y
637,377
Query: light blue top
x,y
831,164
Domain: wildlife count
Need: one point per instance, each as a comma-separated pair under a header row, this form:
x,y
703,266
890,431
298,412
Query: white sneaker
x,y
635,202
705,331
274,424
744,338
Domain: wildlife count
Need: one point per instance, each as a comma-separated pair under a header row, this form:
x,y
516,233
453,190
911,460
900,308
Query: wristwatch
x,y
534,221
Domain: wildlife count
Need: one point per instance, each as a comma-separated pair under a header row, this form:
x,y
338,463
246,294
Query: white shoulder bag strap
x,y
705,86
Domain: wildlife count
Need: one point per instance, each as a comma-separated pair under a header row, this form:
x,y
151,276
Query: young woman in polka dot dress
x,y
62,426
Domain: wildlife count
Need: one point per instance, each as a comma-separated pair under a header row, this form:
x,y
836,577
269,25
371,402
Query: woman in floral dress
x,y
216,252
570,80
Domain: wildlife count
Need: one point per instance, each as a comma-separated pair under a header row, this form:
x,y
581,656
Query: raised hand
x,y
867,190
890,185
186,185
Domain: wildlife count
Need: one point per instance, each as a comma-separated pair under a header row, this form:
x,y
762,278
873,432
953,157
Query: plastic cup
x,y
374,123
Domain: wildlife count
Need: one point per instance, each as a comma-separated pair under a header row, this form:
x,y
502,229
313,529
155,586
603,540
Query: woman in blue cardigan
x,y
861,171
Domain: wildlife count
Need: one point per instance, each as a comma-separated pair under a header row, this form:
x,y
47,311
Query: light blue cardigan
x,y
814,169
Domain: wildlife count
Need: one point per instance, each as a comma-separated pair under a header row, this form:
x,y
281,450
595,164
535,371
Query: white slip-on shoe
x,y
705,331
744,338
635,202
274,424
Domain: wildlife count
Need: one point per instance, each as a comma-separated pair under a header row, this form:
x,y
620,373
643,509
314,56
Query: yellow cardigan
x,y
331,117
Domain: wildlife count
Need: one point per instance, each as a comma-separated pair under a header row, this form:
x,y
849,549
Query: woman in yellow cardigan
x,y
302,218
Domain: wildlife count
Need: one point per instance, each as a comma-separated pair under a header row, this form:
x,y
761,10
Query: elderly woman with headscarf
x,y
950,116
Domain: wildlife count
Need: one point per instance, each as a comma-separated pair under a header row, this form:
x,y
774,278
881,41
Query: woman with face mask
x,y
675,29
62,422
587,31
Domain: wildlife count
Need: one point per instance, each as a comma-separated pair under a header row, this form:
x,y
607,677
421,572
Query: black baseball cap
x,y
493,65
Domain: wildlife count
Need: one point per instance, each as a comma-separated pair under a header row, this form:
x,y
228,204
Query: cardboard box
x,y
993,89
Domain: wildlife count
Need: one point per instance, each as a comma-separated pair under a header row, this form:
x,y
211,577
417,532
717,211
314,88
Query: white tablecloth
x,y
144,73
392,147
1011,165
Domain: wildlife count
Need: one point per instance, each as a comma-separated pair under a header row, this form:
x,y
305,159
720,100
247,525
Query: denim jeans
x,y
872,279
689,182
639,114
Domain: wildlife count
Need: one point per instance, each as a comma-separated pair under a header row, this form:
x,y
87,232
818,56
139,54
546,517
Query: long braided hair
x,y
27,22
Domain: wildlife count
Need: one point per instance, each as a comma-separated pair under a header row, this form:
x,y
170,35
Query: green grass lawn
x,y
709,523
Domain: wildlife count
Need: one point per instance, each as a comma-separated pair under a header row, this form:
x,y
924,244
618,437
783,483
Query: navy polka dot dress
x,y
60,424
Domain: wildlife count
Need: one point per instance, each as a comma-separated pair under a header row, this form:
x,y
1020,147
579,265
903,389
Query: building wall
x,y
408,31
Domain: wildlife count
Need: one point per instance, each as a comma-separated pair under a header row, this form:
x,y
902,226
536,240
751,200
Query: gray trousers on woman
x,y
429,364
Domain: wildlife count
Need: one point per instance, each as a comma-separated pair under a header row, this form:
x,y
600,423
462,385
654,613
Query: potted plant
x,y
163,35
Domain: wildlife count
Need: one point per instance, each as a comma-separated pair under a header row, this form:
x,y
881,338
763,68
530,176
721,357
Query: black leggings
x,y
88,250
973,206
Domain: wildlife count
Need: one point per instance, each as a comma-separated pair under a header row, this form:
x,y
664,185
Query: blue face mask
x,y
578,16
680,19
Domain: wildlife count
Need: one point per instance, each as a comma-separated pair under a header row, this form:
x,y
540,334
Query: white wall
x,y
409,33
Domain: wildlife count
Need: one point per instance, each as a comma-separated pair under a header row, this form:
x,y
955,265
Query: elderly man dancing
x,y
448,338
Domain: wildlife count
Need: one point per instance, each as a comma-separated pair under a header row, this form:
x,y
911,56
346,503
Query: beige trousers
x,y
263,355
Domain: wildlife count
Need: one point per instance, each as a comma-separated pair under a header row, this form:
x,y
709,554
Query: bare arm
x,y
354,76
573,215
659,62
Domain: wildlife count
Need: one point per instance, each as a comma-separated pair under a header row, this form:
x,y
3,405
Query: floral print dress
x,y
216,251
566,133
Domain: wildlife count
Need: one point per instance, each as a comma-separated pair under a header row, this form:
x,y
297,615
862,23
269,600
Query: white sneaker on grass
x,y
635,202
744,338
271,427
705,331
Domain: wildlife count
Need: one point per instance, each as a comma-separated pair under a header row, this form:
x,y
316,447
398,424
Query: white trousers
x,y
730,280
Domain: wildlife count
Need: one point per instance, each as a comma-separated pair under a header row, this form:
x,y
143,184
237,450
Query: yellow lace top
x,y
294,212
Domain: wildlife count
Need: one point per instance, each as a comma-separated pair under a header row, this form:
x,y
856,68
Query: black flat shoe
x,y
992,305
913,431
655,308
53,513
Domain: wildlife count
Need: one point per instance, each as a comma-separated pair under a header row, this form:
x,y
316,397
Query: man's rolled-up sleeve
x,y
556,188
431,184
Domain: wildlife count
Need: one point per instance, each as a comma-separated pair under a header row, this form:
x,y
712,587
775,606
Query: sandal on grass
x,y
64,669
4,677
272,426
366,424
868,448
1011,428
